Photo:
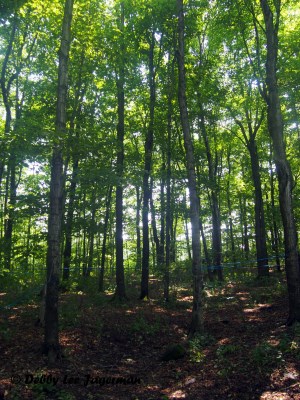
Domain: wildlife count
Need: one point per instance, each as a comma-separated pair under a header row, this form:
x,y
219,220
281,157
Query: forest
x,y
149,199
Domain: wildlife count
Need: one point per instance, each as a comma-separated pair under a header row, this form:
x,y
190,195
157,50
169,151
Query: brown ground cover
x,y
113,351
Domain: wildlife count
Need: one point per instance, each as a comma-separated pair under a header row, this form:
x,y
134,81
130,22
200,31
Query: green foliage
x,y
197,355
266,356
197,345
147,328
224,353
226,350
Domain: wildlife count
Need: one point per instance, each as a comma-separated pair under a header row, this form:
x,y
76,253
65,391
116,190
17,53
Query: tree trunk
x,y
275,245
93,225
260,228
105,229
138,230
229,206
186,231
156,238
8,234
120,278
6,83
147,172
244,225
51,343
69,221
275,127
75,169
216,222
197,312
168,187
161,250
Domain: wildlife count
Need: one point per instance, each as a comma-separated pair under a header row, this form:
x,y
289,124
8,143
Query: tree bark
x,y
69,221
197,312
92,232
244,225
8,234
120,292
260,227
275,127
51,342
138,230
74,126
275,244
147,172
6,83
105,229
229,206
216,221
168,185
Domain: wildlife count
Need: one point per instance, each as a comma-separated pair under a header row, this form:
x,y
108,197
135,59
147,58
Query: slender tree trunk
x,y
147,173
275,127
51,343
156,239
229,206
8,234
84,252
274,219
69,221
244,224
6,83
120,277
216,221
197,312
204,242
161,250
168,222
260,228
186,231
168,189
28,236
105,229
138,230
92,230
75,169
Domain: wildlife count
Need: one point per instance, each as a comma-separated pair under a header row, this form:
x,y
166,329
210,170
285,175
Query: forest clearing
x,y
246,353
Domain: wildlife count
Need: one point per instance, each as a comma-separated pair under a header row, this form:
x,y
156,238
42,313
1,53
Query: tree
x,y
275,126
196,323
147,170
249,134
120,279
51,342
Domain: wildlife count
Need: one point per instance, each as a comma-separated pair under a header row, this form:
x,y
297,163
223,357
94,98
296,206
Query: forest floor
x,y
113,351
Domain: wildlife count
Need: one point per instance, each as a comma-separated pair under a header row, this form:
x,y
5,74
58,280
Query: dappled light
x,y
100,340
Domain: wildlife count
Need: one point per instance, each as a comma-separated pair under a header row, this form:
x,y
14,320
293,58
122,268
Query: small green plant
x,y
266,356
141,325
290,345
223,352
197,345
226,349
197,355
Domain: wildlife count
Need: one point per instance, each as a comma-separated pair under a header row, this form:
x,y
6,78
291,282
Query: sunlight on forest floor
x,y
245,353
